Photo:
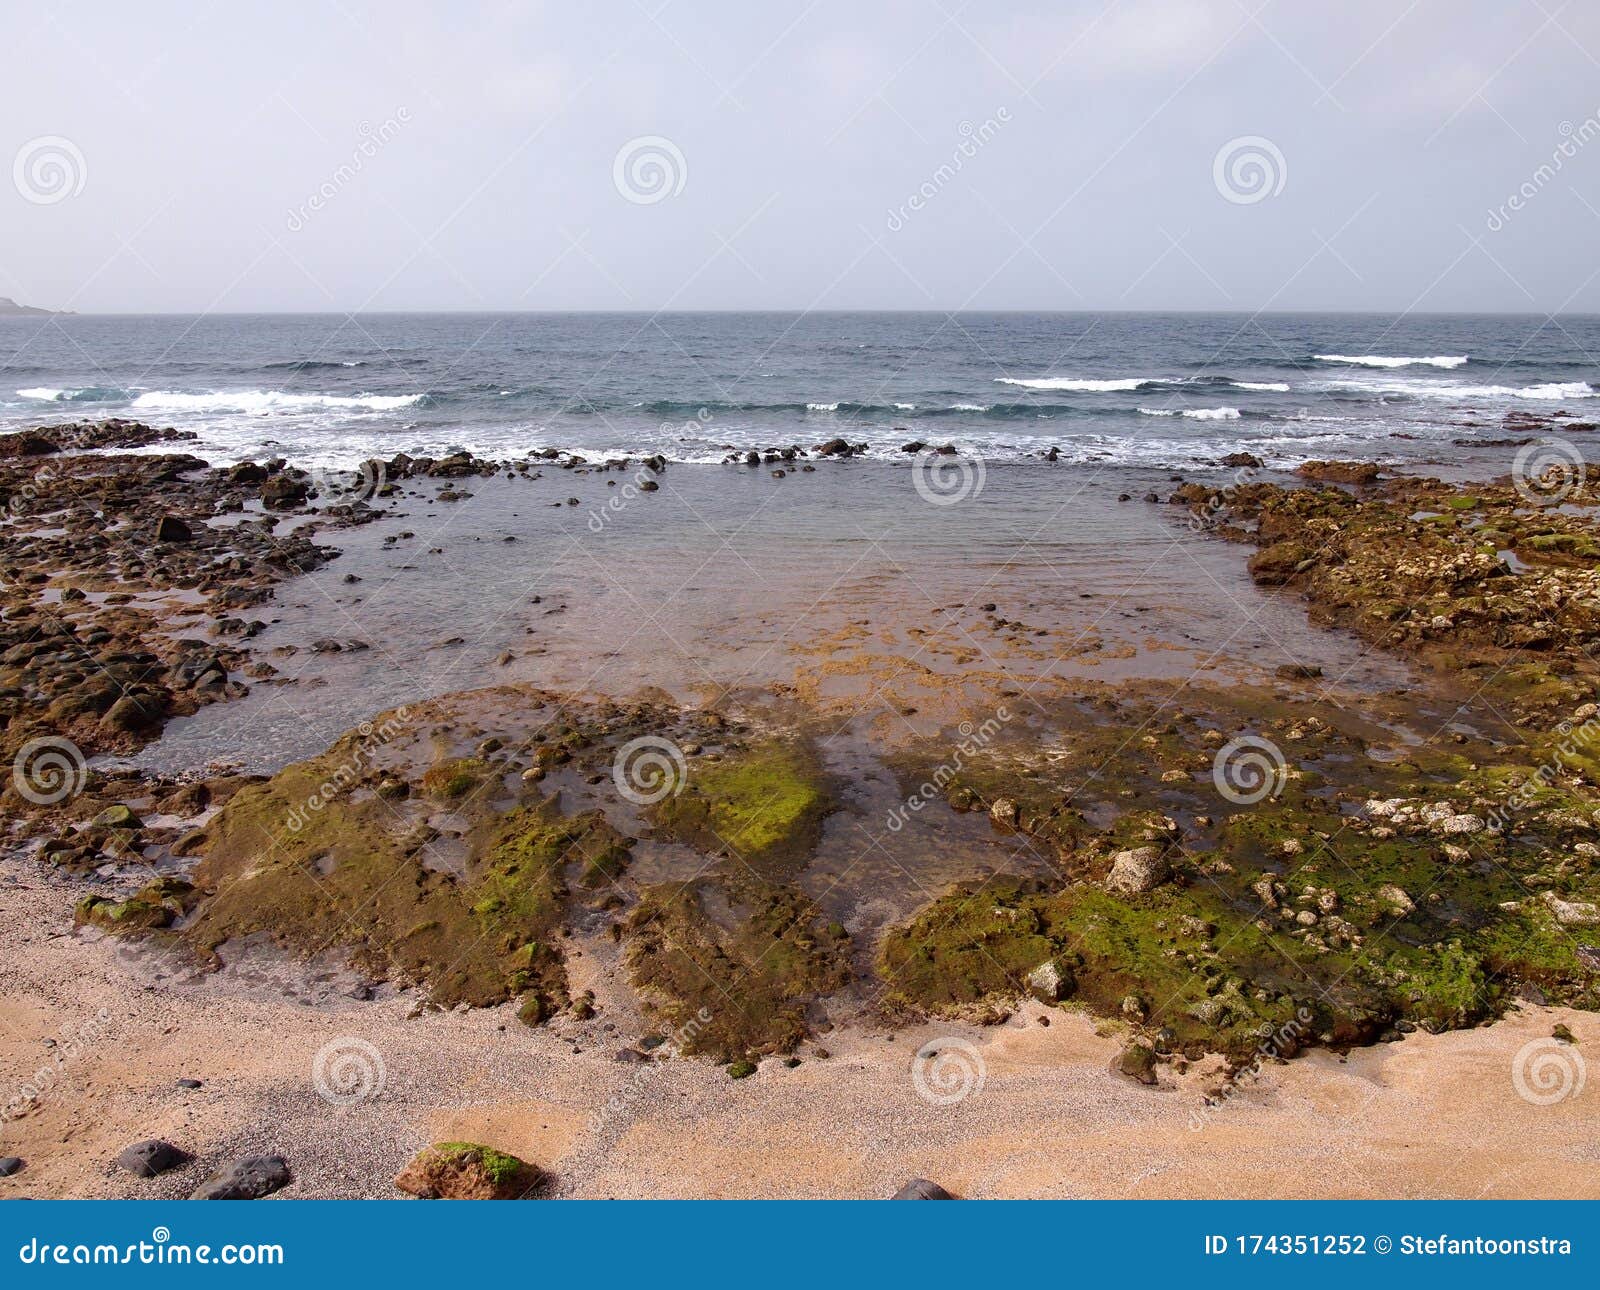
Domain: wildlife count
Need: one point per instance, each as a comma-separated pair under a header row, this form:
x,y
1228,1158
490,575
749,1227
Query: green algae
x,y
738,990
764,805
355,873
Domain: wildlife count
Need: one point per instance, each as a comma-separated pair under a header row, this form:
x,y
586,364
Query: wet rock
x,y
169,528
282,492
151,1157
922,1189
1242,460
1339,472
247,1179
10,1165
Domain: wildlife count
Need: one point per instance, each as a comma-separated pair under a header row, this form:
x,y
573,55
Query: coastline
x,y
863,657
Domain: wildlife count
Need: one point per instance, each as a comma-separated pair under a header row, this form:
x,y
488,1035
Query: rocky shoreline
x,y
1216,877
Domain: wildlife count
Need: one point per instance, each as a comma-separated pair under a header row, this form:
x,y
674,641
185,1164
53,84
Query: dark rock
x,y
1137,1062
247,472
188,1083
1242,459
247,1179
922,1189
280,492
151,1157
169,528
1298,671
10,1165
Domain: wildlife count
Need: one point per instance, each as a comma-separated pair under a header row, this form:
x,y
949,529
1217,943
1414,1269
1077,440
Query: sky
x,y
1440,155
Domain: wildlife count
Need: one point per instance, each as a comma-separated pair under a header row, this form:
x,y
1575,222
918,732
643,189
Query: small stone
x,y
10,1165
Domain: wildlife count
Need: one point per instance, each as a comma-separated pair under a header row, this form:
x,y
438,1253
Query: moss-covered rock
x,y
469,1171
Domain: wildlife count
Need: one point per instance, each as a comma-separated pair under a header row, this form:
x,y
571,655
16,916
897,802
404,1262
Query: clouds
x,y
801,127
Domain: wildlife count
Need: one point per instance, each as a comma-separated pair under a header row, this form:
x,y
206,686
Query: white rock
x,y
1142,869
1572,913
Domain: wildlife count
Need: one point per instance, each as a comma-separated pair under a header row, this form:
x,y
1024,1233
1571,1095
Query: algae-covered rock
x,y
764,804
156,905
468,1171
1140,870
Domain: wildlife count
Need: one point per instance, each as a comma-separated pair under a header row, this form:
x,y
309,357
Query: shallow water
x,y
843,589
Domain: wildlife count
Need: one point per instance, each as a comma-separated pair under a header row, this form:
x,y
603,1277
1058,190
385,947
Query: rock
x,y
741,1069
247,472
1237,460
1572,913
169,528
834,448
468,1171
151,1157
188,1083
1274,565
1049,983
281,492
1396,899
1137,1062
1298,671
117,817
1339,472
1004,812
1140,870
631,1056
128,715
247,1179
922,1189
10,1165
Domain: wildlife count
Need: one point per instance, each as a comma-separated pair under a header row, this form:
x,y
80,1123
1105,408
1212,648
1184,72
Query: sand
x,y
1430,1116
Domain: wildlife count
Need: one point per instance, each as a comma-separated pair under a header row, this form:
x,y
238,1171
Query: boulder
x,y
468,1171
1139,870
280,492
169,528
1138,1063
151,1157
247,1179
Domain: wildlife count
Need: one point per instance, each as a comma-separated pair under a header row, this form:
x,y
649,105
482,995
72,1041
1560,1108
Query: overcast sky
x,y
1147,154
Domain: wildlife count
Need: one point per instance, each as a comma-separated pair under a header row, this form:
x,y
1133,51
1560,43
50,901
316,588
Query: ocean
x,y
1170,391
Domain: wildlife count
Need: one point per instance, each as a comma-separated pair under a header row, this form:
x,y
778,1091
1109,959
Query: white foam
x,y
1087,385
906,407
1384,360
1425,389
1194,414
969,407
822,407
1274,387
50,396
268,402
